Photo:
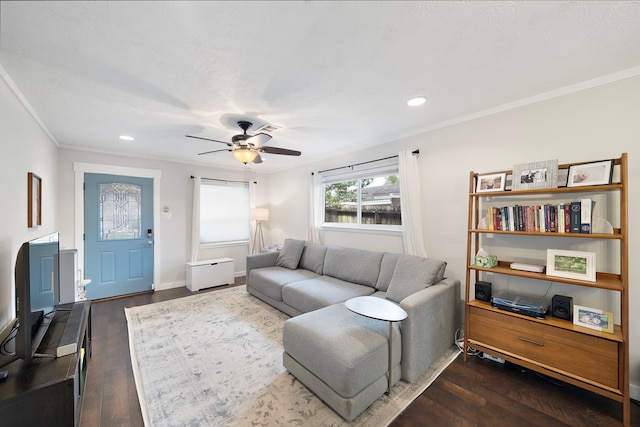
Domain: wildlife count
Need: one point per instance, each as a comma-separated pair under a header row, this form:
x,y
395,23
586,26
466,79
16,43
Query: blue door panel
x,y
107,268
118,256
41,271
135,264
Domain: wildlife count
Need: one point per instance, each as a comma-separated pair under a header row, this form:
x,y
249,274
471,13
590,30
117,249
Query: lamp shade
x,y
244,155
260,214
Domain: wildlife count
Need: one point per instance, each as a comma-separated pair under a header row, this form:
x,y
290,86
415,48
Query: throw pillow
x,y
289,256
312,258
412,274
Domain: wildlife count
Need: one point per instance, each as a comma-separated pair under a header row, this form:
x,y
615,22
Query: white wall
x,y
24,148
176,193
595,124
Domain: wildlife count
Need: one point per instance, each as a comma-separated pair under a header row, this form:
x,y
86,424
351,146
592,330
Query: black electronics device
x,y
528,305
483,291
562,307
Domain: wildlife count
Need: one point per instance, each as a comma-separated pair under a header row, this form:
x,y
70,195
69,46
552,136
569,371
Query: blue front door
x,y
118,246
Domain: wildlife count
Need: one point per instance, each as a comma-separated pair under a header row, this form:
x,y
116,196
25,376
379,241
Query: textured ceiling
x,y
334,75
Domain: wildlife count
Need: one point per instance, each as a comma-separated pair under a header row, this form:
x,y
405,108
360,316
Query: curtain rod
x,y
415,152
225,180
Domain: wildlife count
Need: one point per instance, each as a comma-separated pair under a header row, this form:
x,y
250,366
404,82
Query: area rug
x,y
215,359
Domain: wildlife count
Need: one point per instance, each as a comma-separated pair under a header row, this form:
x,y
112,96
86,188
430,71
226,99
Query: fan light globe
x,y
244,155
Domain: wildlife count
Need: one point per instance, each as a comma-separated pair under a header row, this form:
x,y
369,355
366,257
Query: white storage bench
x,y
208,273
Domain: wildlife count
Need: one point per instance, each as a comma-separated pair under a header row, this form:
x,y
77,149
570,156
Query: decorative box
x,y
489,261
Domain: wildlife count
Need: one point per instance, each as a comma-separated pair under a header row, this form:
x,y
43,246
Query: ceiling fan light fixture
x,y
244,155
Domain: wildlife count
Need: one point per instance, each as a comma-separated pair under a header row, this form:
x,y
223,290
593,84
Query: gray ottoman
x,y
341,356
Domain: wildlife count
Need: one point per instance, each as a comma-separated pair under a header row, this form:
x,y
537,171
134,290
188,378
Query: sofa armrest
x,y
430,326
267,259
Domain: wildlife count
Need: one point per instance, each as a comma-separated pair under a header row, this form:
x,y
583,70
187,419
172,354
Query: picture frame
x,y
563,176
535,175
34,200
508,186
596,173
491,182
593,318
571,264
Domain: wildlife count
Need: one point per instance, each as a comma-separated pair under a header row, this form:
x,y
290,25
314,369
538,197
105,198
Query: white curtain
x,y
411,204
316,209
253,225
195,219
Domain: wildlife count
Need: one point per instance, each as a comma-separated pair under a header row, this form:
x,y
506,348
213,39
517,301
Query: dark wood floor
x,y
475,393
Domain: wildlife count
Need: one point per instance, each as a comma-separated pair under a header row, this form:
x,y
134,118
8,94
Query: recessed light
x,y
414,102
127,138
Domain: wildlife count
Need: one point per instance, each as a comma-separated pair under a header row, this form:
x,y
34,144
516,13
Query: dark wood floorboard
x,y
475,393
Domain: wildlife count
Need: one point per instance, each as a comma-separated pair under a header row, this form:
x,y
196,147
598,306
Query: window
x,y
224,212
120,211
369,198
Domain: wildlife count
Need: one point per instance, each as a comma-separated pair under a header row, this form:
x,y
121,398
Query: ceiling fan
x,y
247,148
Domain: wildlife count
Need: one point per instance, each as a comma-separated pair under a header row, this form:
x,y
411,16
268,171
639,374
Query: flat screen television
x,y
37,292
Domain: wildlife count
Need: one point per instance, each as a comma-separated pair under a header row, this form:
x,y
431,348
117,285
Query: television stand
x,y
49,391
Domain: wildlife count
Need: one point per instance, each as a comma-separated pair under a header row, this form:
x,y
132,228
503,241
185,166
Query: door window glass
x,y
120,212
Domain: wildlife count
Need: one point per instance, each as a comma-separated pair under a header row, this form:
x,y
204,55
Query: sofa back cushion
x,y
313,257
289,256
387,267
353,265
412,274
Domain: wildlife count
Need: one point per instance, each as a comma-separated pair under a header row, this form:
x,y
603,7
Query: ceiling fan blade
x,y
214,151
208,139
276,150
258,159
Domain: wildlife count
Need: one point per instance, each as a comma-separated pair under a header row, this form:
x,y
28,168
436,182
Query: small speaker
x,y
483,291
562,307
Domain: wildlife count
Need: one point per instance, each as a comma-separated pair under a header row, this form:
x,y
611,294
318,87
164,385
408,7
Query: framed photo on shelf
x,y
571,264
491,182
34,200
536,175
597,173
563,175
508,186
593,318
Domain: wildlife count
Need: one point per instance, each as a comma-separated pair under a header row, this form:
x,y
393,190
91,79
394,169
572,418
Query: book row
x,y
572,217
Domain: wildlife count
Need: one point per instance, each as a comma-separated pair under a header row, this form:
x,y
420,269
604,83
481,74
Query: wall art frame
x,y
34,200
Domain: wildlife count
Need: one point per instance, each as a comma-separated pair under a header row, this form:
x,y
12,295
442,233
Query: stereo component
x,y
562,307
483,291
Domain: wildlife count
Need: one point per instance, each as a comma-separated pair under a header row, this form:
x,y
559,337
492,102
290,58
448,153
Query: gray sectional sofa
x,y
340,355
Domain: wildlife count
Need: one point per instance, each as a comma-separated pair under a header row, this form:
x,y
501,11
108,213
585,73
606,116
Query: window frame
x,y
370,172
223,243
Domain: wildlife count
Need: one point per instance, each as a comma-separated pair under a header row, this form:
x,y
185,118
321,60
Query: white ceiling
x,y
335,75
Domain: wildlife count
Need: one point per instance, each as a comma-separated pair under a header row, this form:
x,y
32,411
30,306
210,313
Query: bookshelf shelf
x,y
591,359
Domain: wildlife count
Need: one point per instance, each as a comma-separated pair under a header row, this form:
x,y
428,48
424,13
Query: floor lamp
x,y
259,215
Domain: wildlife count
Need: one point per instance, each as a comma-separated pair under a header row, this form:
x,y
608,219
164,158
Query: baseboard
x,y
172,285
169,285
634,392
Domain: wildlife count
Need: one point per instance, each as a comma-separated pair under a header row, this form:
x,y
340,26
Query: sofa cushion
x,y
289,256
345,350
319,292
270,280
387,267
413,274
353,265
313,257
